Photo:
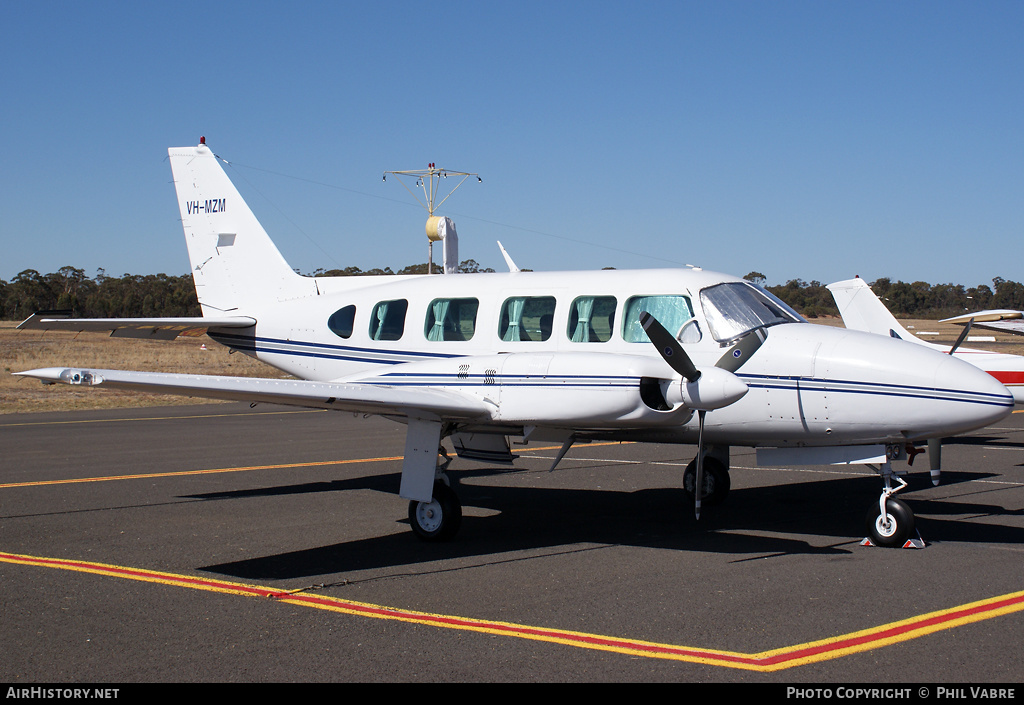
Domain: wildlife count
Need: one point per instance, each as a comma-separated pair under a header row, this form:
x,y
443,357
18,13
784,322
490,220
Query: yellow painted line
x,y
183,473
214,471
764,661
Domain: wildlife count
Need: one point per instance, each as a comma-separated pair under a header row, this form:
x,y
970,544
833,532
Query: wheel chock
x,y
916,542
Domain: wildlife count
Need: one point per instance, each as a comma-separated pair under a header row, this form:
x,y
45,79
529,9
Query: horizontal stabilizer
x,y
147,328
364,398
1003,320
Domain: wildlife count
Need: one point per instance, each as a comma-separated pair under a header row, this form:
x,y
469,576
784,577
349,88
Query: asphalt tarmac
x,y
219,543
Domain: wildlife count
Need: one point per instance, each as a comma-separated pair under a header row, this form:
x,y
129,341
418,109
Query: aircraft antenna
x,y
428,181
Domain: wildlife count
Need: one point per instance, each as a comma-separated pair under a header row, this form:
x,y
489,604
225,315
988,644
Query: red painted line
x,y
773,660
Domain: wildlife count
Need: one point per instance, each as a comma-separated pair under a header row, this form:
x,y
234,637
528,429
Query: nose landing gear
x,y
890,522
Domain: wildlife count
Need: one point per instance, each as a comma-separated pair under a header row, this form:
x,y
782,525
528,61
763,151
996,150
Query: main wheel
x,y
715,478
439,519
895,528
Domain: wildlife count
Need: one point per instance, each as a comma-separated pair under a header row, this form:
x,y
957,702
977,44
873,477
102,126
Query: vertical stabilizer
x,y
235,265
862,310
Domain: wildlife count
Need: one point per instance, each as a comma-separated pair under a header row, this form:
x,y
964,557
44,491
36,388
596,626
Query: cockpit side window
x,y
733,309
451,319
387,321
673,312
591,319
341,321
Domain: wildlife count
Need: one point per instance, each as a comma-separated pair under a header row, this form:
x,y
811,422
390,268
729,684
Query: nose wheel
x,y
893,528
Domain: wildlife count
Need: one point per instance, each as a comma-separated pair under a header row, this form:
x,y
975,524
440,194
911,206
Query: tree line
x,y
133,295
156,295
904,300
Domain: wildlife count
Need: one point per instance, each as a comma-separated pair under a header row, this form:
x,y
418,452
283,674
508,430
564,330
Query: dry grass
x,y
947,333
26,350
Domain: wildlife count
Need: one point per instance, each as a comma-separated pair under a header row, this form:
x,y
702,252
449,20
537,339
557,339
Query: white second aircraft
x,y
563,356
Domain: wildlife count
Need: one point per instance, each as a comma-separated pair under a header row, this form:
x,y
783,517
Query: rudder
x,y
861,310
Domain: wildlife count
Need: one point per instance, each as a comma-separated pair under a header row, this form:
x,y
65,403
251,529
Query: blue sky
x,y
810,140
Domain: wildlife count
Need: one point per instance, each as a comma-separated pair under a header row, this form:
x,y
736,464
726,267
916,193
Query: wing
x,y
148,328
1004,320
345,396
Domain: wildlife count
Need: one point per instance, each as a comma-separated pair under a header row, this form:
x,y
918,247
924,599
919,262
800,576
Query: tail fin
x,y
862,310
235,265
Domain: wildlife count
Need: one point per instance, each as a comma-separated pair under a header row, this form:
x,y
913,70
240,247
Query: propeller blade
x,y
669,347
699,484
742,350
963,336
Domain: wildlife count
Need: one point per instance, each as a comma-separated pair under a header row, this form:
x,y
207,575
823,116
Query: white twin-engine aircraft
x,y
560,356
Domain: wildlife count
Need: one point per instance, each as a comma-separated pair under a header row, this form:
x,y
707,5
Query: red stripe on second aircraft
x,y
1008,377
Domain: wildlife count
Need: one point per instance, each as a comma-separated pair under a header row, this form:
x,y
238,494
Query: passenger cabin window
x,y
387,321
451,319
526,318
341,321
673,312
591,319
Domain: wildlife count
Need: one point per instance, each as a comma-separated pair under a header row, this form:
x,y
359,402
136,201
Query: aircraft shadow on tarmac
x,y
981,441
532,518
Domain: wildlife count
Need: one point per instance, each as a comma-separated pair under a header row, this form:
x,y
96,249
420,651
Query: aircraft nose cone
x,y
984,398
925,393
868,388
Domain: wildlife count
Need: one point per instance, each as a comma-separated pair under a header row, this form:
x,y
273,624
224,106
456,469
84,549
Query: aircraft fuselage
x,y
516,341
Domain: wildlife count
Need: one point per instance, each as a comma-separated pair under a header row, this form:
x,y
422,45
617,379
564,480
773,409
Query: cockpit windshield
x,y
735,308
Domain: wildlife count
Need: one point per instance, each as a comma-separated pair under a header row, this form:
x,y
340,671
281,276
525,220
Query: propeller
x,y
704,390
963,336
669,347
742,349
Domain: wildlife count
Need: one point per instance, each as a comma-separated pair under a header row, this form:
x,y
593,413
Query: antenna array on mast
x,y
429,182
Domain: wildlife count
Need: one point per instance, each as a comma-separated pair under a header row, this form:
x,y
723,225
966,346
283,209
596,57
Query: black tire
x,y
438,520
897,530
716,481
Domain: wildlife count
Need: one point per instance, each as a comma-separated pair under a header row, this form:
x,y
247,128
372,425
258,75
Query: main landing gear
x,y
715,481
440,518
